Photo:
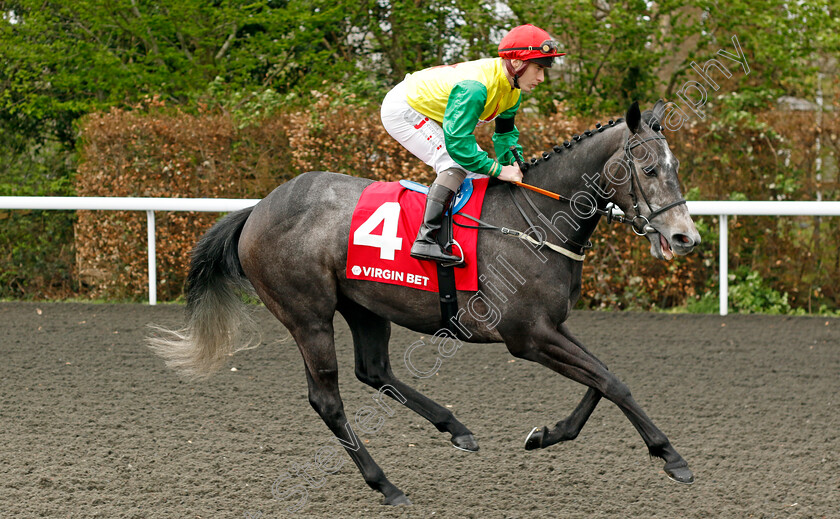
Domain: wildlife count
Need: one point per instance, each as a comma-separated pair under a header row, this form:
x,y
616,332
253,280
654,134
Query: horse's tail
x,y
215,312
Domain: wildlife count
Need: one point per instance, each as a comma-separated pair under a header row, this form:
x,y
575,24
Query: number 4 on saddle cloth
x,y
384,224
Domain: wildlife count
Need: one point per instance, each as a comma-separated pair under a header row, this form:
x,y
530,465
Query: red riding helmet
x,y
527,43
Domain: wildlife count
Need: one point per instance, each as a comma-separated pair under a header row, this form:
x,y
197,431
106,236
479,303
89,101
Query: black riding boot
x,y
425,246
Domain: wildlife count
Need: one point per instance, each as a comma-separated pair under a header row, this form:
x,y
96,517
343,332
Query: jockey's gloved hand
x,y
511,174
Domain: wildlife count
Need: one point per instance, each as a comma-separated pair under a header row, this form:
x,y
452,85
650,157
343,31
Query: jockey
x,y
434,112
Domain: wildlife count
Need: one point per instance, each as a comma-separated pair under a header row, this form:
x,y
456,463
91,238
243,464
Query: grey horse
x,y
291,249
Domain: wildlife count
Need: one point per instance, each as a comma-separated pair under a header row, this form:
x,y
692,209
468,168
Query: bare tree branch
x,y
227,44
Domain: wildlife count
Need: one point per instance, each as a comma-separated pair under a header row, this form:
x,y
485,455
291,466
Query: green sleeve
x,y
463,110
502,141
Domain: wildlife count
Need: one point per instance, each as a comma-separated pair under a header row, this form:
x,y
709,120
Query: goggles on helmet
x,y
546,47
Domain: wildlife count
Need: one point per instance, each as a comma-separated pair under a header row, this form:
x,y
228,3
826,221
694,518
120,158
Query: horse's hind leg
x,y
552,349
568,428
314,334
371,334
322,376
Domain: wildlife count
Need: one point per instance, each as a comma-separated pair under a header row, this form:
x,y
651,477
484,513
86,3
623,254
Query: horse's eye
x,y
649,171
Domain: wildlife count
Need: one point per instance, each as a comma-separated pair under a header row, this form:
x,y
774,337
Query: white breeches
x,y
421,136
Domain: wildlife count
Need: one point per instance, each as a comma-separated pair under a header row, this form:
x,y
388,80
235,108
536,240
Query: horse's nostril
x,y
683,239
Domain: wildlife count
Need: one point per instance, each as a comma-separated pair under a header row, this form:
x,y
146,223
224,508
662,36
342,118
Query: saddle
x,y
461,197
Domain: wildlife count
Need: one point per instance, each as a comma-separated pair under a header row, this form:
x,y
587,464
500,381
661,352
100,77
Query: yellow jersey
x,y
461,97
428,90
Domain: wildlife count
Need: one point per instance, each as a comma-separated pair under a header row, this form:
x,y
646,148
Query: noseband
x,y
639,222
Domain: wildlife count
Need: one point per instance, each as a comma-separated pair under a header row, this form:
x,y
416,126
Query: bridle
x,y
642,228
638,222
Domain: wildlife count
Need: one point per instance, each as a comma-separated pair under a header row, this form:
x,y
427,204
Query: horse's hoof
x,y
680,473
397,500
465,442
535,438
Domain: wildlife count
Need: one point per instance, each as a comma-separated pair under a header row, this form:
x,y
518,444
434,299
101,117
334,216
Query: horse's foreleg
x,y
371,334
554,350
569,428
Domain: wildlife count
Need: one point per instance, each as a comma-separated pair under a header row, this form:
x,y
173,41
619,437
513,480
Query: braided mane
x,y
558,149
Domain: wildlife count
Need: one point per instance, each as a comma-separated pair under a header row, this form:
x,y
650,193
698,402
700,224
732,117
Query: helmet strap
x,y
515,73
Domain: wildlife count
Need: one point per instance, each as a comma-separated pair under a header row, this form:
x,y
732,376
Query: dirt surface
x,y
93,425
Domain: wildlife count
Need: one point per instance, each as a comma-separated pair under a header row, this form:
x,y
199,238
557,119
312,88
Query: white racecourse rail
x,y
720,208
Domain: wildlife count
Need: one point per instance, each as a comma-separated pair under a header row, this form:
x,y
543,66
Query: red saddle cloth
x,y
384,225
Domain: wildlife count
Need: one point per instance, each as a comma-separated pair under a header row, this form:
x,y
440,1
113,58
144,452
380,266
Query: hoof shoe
x,y
465,442
397,500
680,474
534,439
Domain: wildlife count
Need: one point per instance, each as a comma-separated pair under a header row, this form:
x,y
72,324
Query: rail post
x,y
150,231
724,264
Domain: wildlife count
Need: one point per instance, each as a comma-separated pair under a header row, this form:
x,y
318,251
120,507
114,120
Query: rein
x,y
611,217
608,213
482,225
638,222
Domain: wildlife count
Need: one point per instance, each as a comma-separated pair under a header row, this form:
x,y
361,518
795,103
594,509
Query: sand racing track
x,y
93,425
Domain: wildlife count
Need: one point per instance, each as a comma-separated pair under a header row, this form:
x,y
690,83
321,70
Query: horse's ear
x,y
634,117
659,111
